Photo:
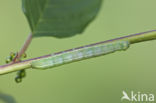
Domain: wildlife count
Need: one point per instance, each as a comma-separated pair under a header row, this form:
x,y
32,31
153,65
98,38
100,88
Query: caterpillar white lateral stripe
x,y
79,54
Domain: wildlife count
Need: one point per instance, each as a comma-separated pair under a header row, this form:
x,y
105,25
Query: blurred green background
x,y
98,80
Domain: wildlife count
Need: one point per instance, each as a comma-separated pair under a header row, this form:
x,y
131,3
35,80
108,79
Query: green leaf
x,y
59,18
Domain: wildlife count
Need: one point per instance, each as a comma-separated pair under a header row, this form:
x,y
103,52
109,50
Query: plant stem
x,y
4,69
19,65
23,49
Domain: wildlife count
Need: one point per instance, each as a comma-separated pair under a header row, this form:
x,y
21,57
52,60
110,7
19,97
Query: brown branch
x,y
23,49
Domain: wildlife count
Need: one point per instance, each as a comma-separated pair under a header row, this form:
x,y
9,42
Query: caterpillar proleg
x,y
79,54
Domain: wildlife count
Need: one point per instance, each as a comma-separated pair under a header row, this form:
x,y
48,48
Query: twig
x,y
23,49
133,38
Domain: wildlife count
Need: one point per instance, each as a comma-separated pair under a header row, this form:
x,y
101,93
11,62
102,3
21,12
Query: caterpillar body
x,y
79,54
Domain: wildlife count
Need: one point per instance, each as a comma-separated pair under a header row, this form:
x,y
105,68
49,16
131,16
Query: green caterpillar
x,y
79,54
